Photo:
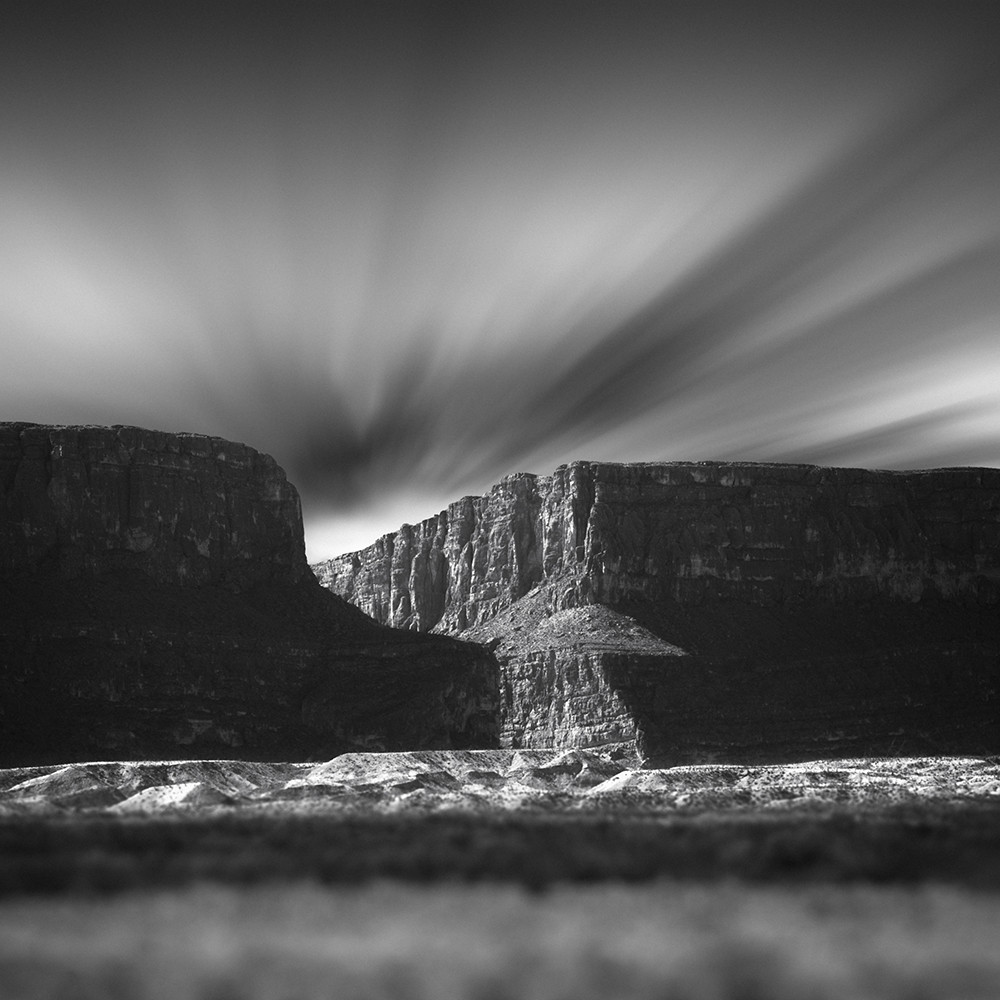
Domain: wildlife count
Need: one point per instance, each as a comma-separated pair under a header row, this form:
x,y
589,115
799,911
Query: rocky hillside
x,y
485,781
716,609
155,601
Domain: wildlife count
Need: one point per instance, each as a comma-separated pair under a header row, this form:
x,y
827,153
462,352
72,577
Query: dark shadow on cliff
x,y
122,667
869,678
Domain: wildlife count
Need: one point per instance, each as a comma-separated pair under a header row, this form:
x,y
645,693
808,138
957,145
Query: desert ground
x,y
495,874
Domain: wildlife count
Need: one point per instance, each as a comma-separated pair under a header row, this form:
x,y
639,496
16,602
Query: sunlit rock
x,y
714,610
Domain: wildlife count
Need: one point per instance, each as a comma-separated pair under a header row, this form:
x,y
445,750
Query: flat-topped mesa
x,y
155,601
766,534
177,508
716,609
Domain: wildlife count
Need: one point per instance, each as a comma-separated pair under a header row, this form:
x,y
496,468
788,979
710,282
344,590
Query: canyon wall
x,y
176,508
765,534
155,601
801,607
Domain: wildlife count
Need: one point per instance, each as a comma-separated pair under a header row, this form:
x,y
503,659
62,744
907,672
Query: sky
x,y
409,248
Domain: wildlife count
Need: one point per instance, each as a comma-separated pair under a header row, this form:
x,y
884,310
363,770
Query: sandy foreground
x,y
496,874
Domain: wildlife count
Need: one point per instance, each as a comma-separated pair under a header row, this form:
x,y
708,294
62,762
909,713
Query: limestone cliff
x,y
176,508
734,607
155,601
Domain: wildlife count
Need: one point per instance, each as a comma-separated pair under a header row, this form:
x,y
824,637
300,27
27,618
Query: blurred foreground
x,y
663,940
500,874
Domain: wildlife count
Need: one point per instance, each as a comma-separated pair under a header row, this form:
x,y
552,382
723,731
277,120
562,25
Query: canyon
x,y
155,602
715,610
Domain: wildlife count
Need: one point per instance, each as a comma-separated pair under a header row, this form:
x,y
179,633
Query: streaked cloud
x,y
409,248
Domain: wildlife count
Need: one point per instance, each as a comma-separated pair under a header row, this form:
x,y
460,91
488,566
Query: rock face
x,y
716,609
155,601
176,508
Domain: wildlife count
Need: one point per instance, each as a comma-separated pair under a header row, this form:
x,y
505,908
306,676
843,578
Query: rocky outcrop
x,y
175,508
155,601
763,534
488,782
707,609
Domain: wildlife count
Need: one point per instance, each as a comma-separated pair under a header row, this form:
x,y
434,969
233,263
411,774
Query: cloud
x,y
409,248
712,336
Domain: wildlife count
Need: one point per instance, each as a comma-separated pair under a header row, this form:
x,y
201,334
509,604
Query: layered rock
x,y
797,608
764,534
155,601
176,508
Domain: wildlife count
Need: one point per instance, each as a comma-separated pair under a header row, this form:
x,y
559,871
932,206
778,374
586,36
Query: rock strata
x,y
716,609
176,508
155,601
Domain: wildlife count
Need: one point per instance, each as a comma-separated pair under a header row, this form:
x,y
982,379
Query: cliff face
x,y
764,534
155,601
176,508
860,597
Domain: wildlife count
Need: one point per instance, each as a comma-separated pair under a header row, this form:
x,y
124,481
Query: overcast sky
x,y
408,248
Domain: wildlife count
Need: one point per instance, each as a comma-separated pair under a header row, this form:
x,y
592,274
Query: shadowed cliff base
x,y
716,610
155,602
121,667
785,684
